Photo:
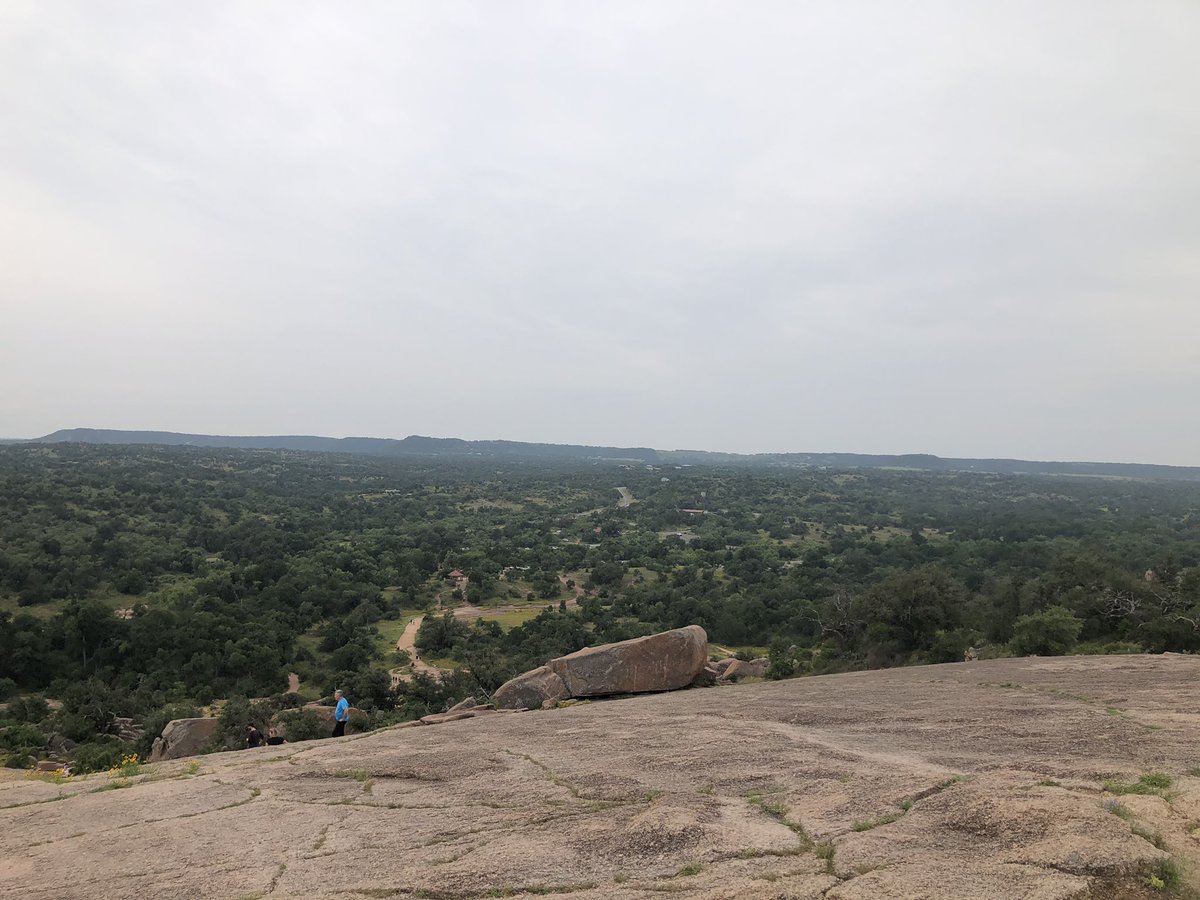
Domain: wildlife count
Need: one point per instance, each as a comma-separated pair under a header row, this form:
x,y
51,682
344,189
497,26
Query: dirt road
x,y
626,497
408,642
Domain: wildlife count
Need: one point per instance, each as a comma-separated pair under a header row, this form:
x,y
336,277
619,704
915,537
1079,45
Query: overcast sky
x,y
963,228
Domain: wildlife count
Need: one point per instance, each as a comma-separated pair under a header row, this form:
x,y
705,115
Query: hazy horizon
x,y
961,229
634,445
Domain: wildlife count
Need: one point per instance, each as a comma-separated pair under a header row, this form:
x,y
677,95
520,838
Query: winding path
x,y
408,638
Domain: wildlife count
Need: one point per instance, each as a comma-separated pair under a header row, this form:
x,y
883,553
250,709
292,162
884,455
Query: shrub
x,y
22,739
236,714
305,725
8,687
16,761
28,709
950,646
782,662
97,756
1051,632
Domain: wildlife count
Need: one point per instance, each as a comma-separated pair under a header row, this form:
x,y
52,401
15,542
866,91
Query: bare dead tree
x,y
1118,604
838,619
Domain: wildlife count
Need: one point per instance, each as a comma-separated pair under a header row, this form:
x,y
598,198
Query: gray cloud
x,y
961,228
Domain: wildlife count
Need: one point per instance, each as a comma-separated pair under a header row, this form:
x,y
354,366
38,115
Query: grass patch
x,y
1165,875
1113,711
1118,809
778,810
888,818
825,851
868,824
689,870
512,618
1048,782
1153,783
1147,835
114,785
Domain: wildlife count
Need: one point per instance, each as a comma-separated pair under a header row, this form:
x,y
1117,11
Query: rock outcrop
x,y
659,662
947,782
183,737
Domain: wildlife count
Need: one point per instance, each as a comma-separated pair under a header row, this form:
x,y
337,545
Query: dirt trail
x,y
579,592
626,497
293,683
408,639
408,642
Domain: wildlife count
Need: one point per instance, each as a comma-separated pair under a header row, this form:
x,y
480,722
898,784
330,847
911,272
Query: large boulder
x,y
659,662
183,737
530,690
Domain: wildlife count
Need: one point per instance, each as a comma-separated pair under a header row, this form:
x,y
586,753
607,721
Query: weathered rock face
x,y
968,789
182,737
660,662
530,690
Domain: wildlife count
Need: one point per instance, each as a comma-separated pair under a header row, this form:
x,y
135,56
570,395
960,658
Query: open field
x,y
1015,778
511,618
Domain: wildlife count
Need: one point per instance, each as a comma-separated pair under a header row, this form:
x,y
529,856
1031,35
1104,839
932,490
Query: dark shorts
x,y
339,729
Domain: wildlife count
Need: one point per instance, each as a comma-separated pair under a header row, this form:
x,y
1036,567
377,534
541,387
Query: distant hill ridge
x,y
419,445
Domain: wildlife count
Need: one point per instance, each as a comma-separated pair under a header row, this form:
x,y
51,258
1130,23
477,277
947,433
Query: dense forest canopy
x,y
138,579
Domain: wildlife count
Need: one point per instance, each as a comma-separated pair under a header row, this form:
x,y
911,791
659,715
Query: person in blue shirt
x,y
341,713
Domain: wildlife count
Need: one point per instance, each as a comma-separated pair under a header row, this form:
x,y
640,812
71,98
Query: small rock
x,y
740,668
439,718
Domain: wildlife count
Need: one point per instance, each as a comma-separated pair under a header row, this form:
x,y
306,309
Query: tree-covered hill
x,y
416,445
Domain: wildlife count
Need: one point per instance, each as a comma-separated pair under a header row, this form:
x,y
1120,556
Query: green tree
x,y
1051,632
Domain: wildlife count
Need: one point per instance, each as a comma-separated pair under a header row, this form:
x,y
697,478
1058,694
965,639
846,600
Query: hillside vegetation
x,y
139,581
